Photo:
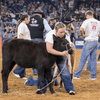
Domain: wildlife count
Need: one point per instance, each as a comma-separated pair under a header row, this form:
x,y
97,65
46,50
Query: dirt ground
x,y
85,89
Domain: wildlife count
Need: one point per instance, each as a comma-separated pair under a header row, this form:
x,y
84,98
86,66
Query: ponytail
x,y
22,18
19,21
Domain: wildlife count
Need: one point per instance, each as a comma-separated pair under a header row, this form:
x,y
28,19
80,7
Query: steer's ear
x,y
54,37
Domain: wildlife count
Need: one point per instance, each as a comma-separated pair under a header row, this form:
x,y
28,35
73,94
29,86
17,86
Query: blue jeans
x,y
65,75
89,49
31,81
88,64
21,71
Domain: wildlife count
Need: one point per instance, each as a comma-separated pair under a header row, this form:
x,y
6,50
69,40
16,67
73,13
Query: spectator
x,y
76,12
12,14
98,9
98,16
21,2
14,21
52,20
6,35
28,9
66,1
0,19
70,4
24,8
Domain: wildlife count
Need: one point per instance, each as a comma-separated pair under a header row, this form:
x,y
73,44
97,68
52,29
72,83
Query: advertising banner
x,y
79,43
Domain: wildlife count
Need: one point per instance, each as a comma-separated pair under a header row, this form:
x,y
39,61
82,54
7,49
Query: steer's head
x,y
61,44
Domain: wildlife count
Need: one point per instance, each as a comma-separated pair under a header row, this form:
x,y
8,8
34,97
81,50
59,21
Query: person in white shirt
x,y
14,21
59,31
23,33
91,27
21,28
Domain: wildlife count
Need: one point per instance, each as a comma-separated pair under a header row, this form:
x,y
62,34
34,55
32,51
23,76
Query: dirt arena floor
x,y
85,89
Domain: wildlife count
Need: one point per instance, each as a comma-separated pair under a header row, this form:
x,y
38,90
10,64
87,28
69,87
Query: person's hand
x,y
64,53
84,36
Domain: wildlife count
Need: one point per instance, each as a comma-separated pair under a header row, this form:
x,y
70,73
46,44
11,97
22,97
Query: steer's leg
x,y
41,80
48,77
7,67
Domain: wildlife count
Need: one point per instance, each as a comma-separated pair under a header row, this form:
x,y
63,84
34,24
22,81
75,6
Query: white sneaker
x,y
72,92
24,78
76,77
25,82
89,78
17,75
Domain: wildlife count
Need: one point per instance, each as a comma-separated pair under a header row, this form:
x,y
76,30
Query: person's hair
x,y
89,12
22,18
59,25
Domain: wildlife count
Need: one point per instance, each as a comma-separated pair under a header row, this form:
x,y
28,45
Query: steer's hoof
x,y
38,91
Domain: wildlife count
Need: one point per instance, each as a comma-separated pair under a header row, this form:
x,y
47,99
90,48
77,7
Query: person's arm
x,y
21,36
21,31
82,32
49,47
46,25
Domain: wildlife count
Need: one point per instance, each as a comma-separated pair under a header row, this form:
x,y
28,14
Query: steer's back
x,y
26,53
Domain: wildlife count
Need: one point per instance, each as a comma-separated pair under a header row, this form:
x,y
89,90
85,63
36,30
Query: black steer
x,y
30,54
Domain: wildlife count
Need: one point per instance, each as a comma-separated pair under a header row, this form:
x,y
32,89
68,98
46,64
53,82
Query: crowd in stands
x,y
11,10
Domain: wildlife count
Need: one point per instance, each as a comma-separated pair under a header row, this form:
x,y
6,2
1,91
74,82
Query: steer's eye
x,y
63,43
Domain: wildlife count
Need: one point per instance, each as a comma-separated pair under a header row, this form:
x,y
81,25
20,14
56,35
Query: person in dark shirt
x,y
36,26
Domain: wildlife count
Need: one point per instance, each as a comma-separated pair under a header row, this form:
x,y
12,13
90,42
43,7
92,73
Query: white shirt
x,y
49,37
91,27
23,29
